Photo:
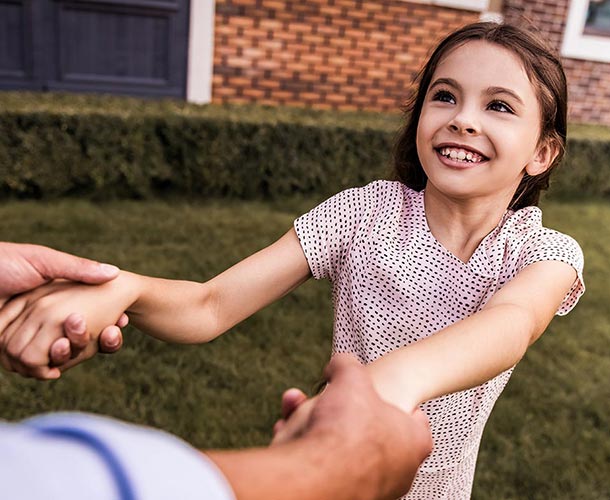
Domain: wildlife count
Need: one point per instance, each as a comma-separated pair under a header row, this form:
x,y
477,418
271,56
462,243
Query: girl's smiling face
x,y
479,127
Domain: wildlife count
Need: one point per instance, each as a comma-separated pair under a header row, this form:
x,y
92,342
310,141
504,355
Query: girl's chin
x,y
455,189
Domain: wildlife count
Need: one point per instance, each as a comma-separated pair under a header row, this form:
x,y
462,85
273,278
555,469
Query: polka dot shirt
x,y
394,283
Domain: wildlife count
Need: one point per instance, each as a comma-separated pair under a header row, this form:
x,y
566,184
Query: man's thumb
x,y
52,264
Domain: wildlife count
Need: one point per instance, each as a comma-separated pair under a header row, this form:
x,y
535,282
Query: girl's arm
x,y
182,311
469,352
478,348
177,311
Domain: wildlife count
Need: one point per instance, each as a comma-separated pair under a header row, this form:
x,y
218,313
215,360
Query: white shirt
x,y
67,456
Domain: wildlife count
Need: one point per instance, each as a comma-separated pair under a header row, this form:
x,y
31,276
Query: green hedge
x,y
102,147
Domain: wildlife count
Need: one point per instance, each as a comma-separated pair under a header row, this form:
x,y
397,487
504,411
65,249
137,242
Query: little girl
x,y
441,280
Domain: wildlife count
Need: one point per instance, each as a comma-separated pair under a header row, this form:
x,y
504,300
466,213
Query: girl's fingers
x,y
291,399
84,355
277,427
78,335
16,336
75,329
110,340
17,353
36,354
11,311
44,373
123,321
27,358
19,335
294,427
60,351
5,362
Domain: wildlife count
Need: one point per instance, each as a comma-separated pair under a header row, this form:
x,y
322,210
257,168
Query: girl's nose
x,y
461,125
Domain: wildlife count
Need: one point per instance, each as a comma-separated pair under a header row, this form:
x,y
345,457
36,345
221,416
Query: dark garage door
x,y
136,47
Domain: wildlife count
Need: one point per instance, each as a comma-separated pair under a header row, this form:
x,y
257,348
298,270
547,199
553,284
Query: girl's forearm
x,y
170,310
188,312
480,347
464,355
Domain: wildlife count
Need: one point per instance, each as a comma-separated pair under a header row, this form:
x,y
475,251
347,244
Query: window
x,y
587,32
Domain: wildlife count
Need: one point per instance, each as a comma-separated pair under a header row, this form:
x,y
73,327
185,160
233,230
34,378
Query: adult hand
x,y
382,441
24,267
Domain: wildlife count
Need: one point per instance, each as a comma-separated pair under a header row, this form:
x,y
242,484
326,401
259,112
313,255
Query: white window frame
x,y
476,5
200,51
576,44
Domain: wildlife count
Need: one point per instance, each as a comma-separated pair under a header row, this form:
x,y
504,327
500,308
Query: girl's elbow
x,y
521,326
530,328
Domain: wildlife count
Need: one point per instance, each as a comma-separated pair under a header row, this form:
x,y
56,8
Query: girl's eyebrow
x,y
503,90
445,81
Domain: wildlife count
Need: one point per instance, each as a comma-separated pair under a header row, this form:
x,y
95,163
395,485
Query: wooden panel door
x,y
127,47
19,60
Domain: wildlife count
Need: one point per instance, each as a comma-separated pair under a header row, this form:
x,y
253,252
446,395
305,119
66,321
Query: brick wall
x,y
589,81
340,54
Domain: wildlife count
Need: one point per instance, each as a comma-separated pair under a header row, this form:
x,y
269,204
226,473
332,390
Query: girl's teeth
x,y
460,155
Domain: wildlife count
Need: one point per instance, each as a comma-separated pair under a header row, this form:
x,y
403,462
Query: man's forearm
x,y
307,469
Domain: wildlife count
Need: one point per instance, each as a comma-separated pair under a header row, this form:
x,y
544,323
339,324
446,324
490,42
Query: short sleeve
x,y
546,244
327,232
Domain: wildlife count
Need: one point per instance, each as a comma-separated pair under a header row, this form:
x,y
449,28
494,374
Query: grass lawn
x,y
548,436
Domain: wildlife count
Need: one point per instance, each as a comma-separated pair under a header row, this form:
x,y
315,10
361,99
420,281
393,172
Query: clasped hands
x,y
29,276
44,297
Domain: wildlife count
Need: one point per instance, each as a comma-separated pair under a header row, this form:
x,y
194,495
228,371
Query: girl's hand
x,y
296,412
77,337
31,323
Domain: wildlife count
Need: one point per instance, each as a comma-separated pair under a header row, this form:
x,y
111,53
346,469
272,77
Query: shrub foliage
x,y
123,148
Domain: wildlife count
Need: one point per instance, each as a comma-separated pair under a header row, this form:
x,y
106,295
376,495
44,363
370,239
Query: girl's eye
x,y
444,96
500,106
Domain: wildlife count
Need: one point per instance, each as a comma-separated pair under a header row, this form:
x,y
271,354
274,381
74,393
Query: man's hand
x,y
379,439
24,267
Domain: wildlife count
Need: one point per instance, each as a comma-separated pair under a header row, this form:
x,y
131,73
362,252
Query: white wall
x,y
201,51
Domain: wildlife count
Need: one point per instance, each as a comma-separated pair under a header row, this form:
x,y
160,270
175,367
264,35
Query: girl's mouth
x,y
460,154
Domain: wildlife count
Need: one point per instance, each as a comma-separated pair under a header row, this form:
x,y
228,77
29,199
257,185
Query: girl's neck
x,y
461,224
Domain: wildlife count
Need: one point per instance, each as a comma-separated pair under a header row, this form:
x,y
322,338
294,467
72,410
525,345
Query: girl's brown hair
x,y
545,72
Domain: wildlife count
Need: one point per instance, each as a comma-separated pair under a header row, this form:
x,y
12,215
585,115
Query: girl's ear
x,y
544,158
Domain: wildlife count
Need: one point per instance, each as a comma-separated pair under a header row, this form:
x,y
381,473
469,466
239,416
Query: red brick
x,y
243,22
374,49
331,10
237,82
269,84
273,45
271,24
254,93
336,98
309,96
294,27
313,39
224,91
268,64
311,58
273,4
239,62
